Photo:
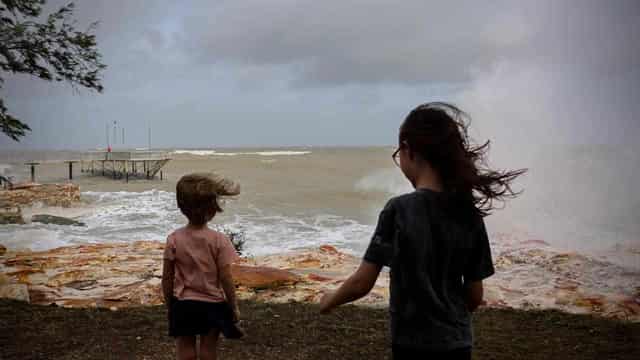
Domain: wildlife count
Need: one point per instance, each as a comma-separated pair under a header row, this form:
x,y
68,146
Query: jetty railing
x,y
125,164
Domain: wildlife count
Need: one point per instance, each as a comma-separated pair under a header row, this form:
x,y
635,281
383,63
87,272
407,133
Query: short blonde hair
x,y
199,194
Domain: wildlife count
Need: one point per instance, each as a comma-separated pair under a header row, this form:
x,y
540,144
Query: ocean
x,y
578,199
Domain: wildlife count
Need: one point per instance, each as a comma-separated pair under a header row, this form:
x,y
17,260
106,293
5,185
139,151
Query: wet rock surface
x,y
64,195
56,220
532,275
127,274
120,275
11,215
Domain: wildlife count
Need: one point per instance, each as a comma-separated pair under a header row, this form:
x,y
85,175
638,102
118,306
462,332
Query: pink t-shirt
x,y
198,256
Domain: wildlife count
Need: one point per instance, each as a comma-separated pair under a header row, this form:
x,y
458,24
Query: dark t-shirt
x,y
431,254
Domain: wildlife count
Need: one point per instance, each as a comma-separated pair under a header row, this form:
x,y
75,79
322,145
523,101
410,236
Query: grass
x,y
296,331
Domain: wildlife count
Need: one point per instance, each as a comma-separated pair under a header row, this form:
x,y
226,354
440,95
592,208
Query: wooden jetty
x,y
123,164
141,164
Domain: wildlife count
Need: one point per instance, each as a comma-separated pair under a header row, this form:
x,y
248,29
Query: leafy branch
x,y
52,50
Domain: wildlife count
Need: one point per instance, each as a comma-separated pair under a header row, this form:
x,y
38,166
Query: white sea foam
x,y
389,181
151,215
280,153
276,233
5,168
70,212
227,154
9,172
253,153
195,152
32,236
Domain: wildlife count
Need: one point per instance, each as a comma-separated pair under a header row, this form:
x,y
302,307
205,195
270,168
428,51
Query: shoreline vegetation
x,y
296,331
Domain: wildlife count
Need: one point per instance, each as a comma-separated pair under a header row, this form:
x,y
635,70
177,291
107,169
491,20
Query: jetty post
x,y
71,162
33,170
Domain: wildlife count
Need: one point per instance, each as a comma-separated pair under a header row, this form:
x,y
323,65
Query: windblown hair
x,y
438,133
199,195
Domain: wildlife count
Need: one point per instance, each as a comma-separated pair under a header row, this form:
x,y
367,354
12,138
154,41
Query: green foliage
x,y
50,49
237,237
238,240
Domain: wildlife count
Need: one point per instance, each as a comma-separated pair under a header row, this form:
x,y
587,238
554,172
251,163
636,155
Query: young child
x,y
196,278
433,239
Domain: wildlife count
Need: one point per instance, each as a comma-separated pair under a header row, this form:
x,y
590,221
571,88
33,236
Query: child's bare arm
x,y
356,286
167,280
226,280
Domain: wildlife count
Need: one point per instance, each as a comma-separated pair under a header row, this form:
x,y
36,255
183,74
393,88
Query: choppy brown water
x,y
569,200
323,180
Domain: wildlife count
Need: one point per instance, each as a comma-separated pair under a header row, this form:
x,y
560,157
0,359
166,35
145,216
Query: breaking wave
x,y
151,215
253,153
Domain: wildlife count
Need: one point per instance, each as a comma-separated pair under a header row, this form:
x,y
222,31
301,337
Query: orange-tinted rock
x,y
567,284
26,271
15,291
259,277
3,250
29,260
85,303
10,214
128,274
68,276
329,249
24,185
632,305
511,291
22,276
38,297
588,302
535,242
308,262
150,245
142,293
315,277
50,194
82,284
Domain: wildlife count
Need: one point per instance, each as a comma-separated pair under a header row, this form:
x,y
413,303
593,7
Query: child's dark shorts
x,y
192,317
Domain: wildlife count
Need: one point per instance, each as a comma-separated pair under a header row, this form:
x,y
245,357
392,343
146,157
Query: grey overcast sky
x,y
209,73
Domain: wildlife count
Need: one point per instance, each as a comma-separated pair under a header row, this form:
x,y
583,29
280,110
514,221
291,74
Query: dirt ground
x,y
296,331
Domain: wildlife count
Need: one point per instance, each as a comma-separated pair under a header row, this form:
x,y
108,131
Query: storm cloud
x,y
282,73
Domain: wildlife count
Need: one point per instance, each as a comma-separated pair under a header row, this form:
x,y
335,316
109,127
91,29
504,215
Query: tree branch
x,y
52,50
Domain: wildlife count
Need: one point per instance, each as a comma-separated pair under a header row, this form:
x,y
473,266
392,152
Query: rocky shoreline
x,y
128,274
529,274
122,275
21,195
64,195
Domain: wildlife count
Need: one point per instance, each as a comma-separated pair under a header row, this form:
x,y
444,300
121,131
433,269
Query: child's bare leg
x,y
209,345
186,348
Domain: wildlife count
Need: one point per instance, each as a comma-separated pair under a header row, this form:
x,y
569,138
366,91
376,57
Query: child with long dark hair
x,y
196,278
433,239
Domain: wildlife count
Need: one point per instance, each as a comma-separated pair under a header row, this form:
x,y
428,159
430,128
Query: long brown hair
x,y
438,133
